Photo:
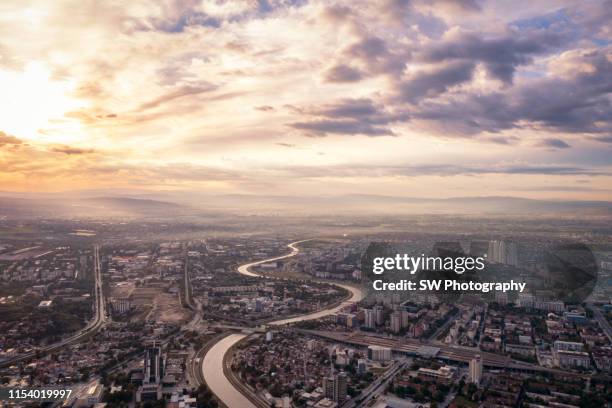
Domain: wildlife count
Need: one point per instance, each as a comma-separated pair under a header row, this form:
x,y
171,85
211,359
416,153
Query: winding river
x,y
212,364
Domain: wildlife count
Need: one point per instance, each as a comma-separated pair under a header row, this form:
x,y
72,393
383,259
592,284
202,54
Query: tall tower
x,y
340,387
476,369
154,364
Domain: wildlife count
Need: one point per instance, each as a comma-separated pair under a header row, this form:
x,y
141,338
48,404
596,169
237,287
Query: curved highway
x,y
212,365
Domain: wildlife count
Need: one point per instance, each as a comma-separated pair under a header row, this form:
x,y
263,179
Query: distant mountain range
x,y
144,203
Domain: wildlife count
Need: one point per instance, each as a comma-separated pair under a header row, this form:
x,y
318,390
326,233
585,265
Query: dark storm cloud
x,y
435,82
553,143
500,55
349,117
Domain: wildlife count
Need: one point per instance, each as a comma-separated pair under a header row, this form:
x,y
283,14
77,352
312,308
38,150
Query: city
x,y
261,321
306,204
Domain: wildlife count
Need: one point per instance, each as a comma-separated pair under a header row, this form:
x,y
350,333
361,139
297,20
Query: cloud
x,y
376,56
342,73
427,84
69,150
579,103
343,127
501,55
175,94
444,170
192,82
602,139
349,117
6,139
553,143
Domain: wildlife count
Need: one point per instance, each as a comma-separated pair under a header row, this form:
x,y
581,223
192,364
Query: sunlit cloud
x,y
306,96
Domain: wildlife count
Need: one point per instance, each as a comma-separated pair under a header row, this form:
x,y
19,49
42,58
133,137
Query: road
x,y
445,326
601,319
212,364
446,352
93,326
377,386
187,286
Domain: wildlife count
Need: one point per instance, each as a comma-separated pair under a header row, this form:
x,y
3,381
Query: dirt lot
x,y
167,309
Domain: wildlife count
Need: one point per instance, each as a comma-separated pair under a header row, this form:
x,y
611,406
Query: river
x,y
212,366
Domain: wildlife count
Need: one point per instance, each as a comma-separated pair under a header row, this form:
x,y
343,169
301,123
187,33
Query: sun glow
x,y
33,105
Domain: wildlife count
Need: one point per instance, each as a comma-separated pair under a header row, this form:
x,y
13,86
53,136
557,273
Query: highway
x,y
377,386
93,326
446,352
212,363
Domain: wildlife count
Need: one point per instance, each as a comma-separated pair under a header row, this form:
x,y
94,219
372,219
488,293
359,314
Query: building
x,y
379,353
328,387
340,387
576,317
443,375
153,365
526,300
362,366
91,396
149,392
121,305
396,322
370,319
503,252
378,310
572,359
501,298
567,346
476,369
335,387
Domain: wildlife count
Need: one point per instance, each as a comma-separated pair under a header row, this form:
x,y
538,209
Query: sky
x,y
408,98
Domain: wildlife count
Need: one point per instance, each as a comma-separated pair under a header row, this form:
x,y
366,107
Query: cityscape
x,y
306,204
252,319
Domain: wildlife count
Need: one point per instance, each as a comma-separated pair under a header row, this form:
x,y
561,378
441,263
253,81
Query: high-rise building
x,y
370,318
379,353
328,387
153,364
378,310
362,366
476,369
503,252
340,387
405,316
396,322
